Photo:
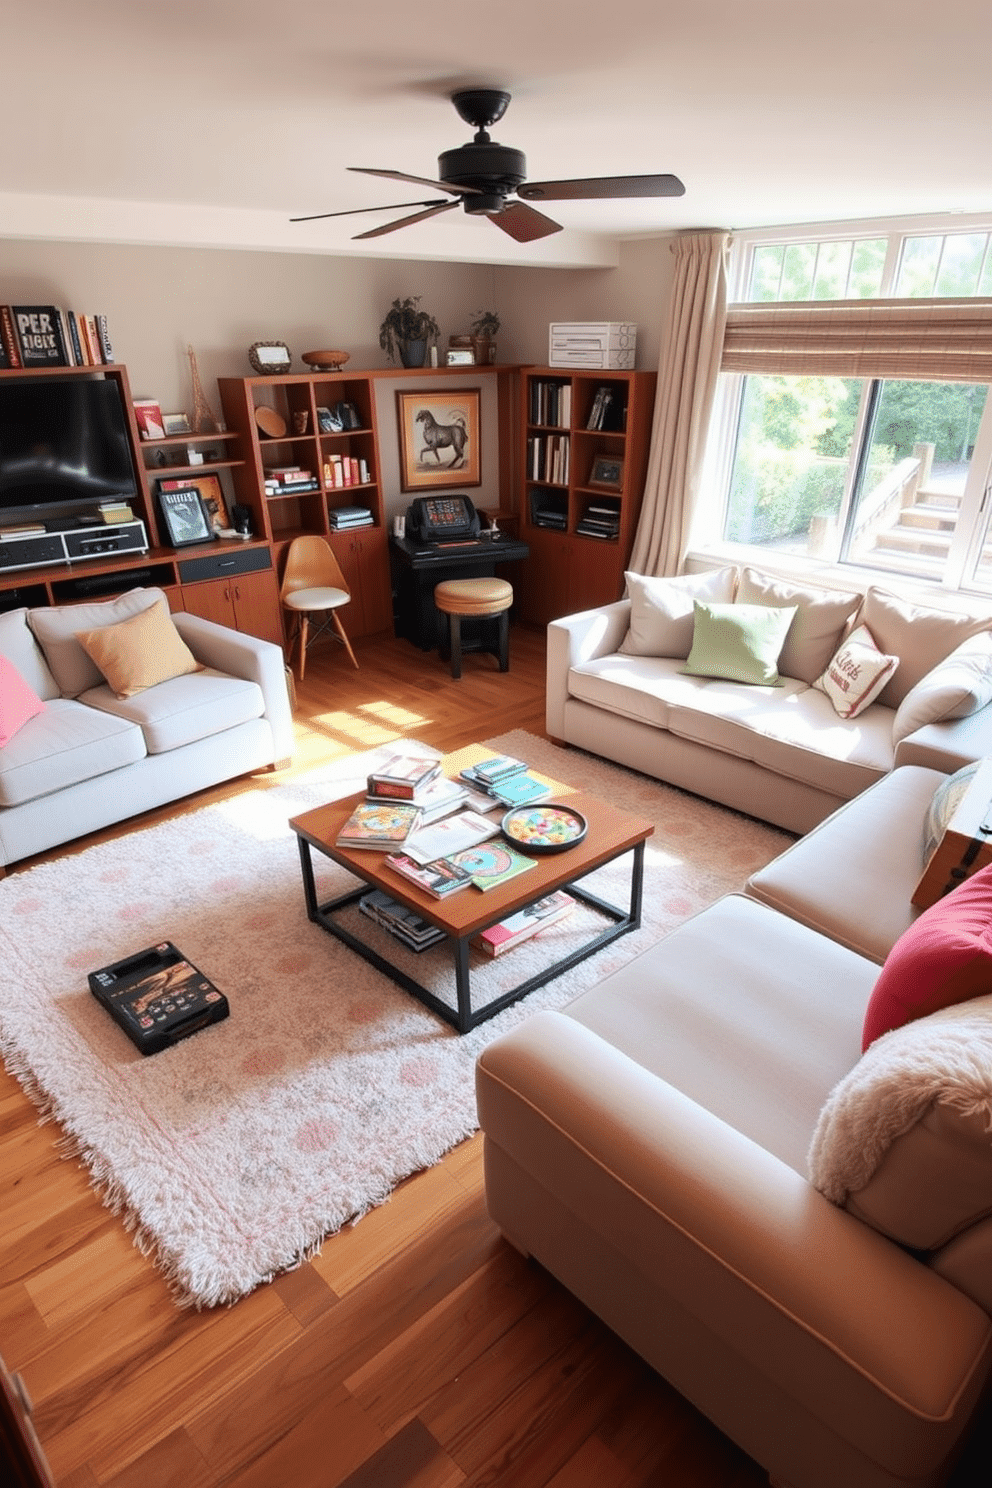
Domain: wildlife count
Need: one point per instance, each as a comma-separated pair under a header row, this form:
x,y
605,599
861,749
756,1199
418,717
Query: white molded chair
x,y
313,584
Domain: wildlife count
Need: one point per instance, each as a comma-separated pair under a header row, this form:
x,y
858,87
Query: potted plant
x,y
484,329
408,331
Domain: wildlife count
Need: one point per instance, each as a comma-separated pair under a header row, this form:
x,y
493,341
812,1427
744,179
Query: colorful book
x,y
439,879
492,863
497,768
8,336
148,416
520,790
379,824
450,835
525,923
401,776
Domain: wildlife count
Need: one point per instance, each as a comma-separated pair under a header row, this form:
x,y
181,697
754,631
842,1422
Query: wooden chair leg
x,y
347,644
304,627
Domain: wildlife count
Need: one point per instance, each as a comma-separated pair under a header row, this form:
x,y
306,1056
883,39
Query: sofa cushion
x,y
18,701
857,674
957,687
57,628
18,644
946,800
62,746
183,709
661,610
919,636
137,653
791,730
738,642
945,957
815,633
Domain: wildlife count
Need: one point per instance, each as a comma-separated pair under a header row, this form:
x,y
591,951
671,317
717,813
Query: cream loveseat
x,y
616,687
83,757
798,1236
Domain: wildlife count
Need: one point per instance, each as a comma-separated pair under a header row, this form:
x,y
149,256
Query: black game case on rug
x,y
158,997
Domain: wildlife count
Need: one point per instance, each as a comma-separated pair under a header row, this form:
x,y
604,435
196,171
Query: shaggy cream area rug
x,y
234,1153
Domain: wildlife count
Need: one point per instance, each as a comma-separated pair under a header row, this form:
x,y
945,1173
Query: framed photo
x,y
607,472
269,356
439,439
176,423
184,513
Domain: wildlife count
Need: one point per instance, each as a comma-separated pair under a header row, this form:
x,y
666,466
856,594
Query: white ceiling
x,y
213,121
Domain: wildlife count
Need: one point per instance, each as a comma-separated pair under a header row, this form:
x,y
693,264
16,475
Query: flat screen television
x,y
64,447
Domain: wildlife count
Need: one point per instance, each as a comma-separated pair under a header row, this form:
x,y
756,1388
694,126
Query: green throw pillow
x,y
739,642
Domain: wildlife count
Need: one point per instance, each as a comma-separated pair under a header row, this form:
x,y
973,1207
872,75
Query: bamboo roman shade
x,y
919,340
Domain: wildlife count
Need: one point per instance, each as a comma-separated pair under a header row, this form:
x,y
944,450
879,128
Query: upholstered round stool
x,y
476,599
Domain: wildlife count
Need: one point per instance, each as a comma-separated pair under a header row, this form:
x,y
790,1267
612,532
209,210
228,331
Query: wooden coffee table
x,y
611,834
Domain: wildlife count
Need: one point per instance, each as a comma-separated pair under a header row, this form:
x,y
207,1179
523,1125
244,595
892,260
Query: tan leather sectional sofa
x,y
655,1144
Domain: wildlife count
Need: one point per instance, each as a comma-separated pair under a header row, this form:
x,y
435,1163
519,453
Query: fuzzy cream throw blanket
x,y
943,1059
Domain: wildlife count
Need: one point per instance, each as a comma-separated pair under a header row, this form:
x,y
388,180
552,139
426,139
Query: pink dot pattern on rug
x,y
421,1072
263,1061
293,964
317,1135
29,906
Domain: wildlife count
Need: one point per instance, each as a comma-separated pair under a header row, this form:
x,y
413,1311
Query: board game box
x,y
158,997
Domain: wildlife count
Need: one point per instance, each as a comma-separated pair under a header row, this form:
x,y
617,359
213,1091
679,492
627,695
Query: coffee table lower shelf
x,y
463,1016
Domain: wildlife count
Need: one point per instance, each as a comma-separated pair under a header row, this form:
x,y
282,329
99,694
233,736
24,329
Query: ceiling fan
x,y
490,180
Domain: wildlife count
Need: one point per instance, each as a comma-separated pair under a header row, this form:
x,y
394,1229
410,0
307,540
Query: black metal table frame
x,y
463,1017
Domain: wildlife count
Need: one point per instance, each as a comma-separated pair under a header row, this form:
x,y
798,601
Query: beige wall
x,y
158,300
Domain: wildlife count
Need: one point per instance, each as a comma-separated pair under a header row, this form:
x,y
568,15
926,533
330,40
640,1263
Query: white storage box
x,y
592,343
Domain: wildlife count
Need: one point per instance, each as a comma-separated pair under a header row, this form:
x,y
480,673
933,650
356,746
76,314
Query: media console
x,y
48,549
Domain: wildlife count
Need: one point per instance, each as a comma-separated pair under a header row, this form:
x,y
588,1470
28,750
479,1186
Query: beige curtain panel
x,y
916,340
690,364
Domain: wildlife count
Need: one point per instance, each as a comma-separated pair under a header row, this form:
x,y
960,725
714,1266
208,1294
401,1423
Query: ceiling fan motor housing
x,y
495,171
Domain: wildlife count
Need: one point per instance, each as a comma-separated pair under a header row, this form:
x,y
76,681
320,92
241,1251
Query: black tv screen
x,y
63,444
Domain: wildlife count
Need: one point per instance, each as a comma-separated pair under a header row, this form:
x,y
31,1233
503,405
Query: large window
x,y
885,472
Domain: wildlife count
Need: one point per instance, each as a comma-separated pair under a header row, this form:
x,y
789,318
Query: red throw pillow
x,y
945,957
18,701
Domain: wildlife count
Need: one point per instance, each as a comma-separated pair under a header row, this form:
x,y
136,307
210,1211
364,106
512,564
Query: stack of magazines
x,y
404,923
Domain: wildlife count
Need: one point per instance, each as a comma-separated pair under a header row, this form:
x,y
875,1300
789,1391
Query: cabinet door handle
x,y
226,563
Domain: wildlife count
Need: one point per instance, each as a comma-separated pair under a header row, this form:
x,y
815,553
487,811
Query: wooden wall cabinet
x,y
580,531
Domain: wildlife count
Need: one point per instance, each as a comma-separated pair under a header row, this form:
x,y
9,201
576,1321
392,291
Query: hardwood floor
x,y
416,1351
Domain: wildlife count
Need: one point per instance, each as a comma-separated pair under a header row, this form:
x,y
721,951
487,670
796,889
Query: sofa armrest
x,y
242,655
949,744
572,640
802,1290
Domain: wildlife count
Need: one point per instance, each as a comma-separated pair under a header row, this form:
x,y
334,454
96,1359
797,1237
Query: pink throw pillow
x,y
18,701
944,958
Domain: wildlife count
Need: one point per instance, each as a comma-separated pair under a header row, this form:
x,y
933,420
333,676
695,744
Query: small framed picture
x,y
176,423
270,356
185,516
607,472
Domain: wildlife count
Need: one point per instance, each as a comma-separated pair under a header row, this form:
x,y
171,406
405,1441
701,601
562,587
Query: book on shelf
x,y
402,775
379,824
93,337
8,338
39,336
113,512
103,336
450,835
72,326
148,417
405,924
520,790
436,799
491,863
439,879
525,923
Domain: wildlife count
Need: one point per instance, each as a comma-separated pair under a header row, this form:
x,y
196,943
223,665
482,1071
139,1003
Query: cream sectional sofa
x,y
616,687
665,1146
91,758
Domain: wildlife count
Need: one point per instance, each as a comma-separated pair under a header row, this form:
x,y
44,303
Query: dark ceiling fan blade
x,y
524,224
432,211
601,188
392,175
357,211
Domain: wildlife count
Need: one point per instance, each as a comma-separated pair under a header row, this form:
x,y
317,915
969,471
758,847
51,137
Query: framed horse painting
x,y
439,439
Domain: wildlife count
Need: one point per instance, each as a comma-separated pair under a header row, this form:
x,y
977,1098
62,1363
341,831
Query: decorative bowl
x,y
544,828
326,361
